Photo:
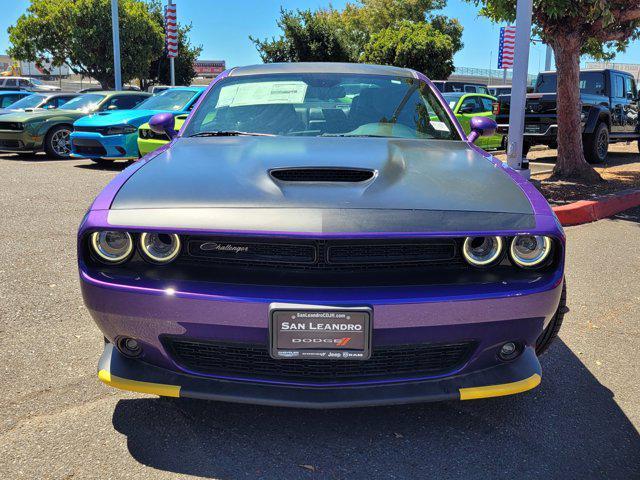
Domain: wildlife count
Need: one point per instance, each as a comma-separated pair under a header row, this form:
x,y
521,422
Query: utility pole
x,y
524,11
116,44
172,65
548,59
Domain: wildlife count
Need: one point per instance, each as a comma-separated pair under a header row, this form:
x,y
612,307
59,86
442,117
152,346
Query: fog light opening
x,y
129,347
509,351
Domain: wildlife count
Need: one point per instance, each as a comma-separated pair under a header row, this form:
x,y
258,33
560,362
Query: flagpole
x,y
172,66
115,24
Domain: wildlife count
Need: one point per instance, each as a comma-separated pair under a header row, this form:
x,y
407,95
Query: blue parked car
x,y
7,97
113,135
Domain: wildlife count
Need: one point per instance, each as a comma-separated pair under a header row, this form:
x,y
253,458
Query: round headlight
x,y
529,251
160,247
112,246
482,251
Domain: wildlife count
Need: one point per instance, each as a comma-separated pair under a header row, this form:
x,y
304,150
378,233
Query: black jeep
x,y
609,112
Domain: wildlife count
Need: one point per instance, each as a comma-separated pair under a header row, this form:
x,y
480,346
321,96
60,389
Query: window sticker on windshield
x,y
439,126
262,93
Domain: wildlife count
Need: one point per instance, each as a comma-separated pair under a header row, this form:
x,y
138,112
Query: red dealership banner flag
x,y
171,27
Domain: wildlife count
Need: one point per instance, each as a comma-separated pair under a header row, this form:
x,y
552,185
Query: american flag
x,y
171,27
507,47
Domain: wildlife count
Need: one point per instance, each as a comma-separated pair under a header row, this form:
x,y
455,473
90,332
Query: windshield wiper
x,y
230,133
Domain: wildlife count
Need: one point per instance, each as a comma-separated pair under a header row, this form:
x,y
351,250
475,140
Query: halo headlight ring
x,y
494,251
99,246
152,254
544,245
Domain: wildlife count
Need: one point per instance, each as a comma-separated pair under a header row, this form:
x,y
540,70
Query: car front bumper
x,y
148,316
19,141
105,147
148,145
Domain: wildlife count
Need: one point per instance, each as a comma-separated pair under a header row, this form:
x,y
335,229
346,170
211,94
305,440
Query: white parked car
x,y
26,83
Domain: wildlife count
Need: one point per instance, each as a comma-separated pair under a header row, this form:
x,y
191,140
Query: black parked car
x,y
609,112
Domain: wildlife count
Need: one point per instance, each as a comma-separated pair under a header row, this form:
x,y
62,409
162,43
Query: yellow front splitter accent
x,y
135,386
488,391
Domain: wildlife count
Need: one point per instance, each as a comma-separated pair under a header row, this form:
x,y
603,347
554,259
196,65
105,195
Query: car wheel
x,y
596,145
57,142
551,332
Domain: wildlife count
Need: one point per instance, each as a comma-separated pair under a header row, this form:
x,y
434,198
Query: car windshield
x,y
35,81
85,103
30,101
323,105
168,100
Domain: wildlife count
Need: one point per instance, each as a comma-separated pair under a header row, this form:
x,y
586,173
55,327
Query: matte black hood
x,y
233,172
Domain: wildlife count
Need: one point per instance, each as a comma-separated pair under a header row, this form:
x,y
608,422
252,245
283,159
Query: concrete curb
x,y
587,211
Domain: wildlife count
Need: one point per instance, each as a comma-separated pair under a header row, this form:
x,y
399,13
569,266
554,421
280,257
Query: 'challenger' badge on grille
x,y
208,246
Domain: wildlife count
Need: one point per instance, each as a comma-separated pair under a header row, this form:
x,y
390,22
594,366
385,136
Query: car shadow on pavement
x,y
614,159
570,427
107,167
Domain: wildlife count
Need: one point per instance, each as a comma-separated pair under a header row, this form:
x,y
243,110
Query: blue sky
x,y
222,27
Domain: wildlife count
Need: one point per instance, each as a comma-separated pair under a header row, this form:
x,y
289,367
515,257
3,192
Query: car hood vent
x,y
343,175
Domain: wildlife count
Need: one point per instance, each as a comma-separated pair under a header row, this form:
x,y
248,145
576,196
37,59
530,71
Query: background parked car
x,y
609,112
9,97
465,87
465,106
49,130
497,90
26,83
108,136
148,140
46,101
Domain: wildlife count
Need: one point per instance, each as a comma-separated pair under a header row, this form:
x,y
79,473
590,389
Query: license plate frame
x,y
326,334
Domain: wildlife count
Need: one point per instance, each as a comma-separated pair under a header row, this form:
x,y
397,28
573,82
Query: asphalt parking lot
x,y
58,421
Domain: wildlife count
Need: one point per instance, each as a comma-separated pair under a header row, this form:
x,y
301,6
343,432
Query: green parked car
x,y
465,106
49,130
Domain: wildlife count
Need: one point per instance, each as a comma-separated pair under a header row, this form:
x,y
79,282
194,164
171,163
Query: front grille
x,y
100,130
254,361
147,133
11,126
322,254
352,175
10,144
89,150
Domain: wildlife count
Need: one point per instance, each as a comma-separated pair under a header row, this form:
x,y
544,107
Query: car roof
x,y
110,93
9,92
321,67
194,88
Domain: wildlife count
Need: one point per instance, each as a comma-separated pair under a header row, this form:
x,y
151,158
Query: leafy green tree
x,y
416,45
78,32
598,28
307,37
398,32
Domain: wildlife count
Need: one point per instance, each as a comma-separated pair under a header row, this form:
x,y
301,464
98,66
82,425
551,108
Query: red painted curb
x,y
587,211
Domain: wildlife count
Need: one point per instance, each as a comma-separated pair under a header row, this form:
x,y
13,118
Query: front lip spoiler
x,y
124,373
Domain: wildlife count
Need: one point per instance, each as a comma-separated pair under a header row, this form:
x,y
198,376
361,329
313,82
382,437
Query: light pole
x,y
548,59
172,66
116,45
524,11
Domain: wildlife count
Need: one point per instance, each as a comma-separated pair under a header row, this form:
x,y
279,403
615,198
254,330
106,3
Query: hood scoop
x,y
322,174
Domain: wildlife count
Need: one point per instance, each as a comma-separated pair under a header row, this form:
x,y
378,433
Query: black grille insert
x,y
254,361
347,175
322,254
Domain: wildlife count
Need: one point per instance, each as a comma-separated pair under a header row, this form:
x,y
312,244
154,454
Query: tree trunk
x,y
571,163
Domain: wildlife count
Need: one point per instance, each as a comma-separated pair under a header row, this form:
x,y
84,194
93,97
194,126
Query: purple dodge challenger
x,y
322,235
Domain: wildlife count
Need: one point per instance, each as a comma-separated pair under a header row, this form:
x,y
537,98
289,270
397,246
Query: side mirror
x,y
163,123
482,127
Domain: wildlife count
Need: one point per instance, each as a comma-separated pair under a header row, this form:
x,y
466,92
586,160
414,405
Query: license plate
x,y
320,333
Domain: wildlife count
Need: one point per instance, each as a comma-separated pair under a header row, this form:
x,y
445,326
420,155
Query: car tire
x,y
549,334
57,143
596,145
